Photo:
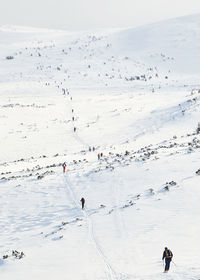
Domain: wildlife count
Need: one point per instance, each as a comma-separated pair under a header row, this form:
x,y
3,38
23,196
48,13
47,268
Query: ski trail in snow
x,y
111,274
76,136
71,193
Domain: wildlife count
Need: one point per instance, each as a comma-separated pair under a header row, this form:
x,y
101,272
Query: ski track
x,y
76,136
111,274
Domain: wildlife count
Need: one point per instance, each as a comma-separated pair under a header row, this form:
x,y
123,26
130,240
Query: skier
x,y
99,156
74,129
64,167
82,202
90,149
167,255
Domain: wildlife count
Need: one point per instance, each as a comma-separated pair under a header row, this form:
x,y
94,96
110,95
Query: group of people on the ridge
x,y
91,149
99,155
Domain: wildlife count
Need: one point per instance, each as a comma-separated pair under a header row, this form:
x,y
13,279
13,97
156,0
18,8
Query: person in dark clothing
x,y
82,202
167,255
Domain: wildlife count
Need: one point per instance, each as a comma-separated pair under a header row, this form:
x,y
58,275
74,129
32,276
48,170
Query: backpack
x,y
168,254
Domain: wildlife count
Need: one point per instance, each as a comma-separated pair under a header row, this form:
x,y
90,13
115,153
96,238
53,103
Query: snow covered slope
x,y
135,57
172,43
133,95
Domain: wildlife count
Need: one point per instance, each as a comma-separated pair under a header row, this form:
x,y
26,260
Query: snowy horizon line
x,y
25,28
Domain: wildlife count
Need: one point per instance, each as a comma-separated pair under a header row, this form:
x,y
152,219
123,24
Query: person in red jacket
x,y
64,167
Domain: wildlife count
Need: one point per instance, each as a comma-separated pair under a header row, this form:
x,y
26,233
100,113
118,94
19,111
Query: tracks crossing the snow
x,y
111,274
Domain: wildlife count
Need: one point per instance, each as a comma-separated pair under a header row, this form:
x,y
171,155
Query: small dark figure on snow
x,y
167,255
98,156
74,129
198,128
90,149
82,202
93,149
64,167
101,154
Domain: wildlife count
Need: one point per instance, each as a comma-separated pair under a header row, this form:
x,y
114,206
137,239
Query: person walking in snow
x,y
82,202
167,255
64,167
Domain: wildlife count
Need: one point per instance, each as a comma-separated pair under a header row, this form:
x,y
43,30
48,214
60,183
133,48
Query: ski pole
x,y
174,263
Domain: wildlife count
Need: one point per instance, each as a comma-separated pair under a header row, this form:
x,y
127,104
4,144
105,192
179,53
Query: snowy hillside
x,y
133,95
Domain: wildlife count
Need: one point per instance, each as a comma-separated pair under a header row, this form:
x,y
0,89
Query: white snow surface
x,y
132,94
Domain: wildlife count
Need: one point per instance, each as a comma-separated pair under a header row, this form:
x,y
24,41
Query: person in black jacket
x,y
167,255
82,202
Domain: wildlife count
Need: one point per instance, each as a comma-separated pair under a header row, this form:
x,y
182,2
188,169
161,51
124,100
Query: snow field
x,y
133,95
